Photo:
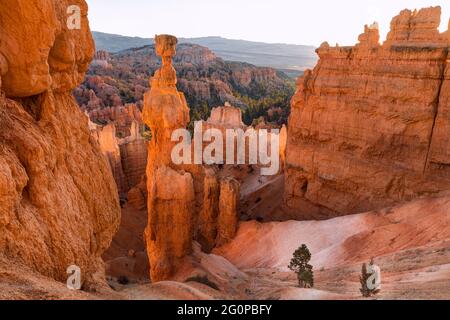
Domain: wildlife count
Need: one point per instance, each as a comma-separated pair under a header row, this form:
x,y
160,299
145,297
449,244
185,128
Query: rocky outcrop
x,y
207,220
63,57
58,201
183,200
122,117
227,221
101,59
133,153
189,54
417,28
109,145
102,55
171,227
370,38
369,125
226,117
137,196
245,76
127,156
219,217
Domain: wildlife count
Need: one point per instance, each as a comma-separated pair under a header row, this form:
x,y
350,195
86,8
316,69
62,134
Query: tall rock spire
x,y
171,204
181,198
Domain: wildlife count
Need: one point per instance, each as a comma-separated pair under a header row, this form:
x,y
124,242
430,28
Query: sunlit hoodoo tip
x,y
166,45
166,48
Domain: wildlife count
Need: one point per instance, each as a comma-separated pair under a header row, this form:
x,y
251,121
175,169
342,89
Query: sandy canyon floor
x,y
411,248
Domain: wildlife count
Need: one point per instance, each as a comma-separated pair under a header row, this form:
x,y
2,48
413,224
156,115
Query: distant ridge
x,y
292,59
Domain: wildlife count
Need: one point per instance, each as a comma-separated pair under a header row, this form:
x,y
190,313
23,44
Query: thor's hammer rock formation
x,y
180,197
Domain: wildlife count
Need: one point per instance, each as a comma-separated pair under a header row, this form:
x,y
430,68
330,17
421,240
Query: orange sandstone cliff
x,y
369,126
58,200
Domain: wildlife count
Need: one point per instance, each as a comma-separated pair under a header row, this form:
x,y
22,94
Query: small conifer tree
x,y
300,265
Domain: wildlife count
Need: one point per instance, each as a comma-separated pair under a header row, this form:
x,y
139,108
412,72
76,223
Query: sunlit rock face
x,y
226,116
369,125
43,53
171,203
417,28
58,200
183,200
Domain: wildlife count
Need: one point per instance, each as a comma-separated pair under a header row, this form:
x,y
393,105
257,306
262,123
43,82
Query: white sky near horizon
x,y
272,21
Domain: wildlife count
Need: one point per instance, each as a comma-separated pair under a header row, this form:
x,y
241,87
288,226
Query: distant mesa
x,y
285,57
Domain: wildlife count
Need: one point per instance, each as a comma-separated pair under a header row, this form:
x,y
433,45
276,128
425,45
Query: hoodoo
x,y
170,191
178,194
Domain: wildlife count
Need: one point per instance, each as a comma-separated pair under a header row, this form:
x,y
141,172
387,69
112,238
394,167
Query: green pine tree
x,y
300,265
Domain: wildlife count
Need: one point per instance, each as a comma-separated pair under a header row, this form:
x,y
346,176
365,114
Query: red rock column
x,y
207,231
228,219
171,204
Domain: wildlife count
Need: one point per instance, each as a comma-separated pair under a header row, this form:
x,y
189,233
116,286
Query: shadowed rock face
x,y
58,200
369,125
127,156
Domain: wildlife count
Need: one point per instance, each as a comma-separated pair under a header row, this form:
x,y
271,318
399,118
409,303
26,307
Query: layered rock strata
x,y
133,152
58,200
369,125
127,157
122,117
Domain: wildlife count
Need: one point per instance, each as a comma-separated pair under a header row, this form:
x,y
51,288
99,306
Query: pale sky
x,y
275,21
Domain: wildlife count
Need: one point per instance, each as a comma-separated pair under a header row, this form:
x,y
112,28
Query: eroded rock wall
x,y
228,219
369,125
133,151
109,145
58,200
127,157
